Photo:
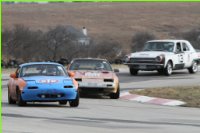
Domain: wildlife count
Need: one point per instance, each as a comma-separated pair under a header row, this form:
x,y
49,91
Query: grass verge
x,y
118,66
189,94
8,70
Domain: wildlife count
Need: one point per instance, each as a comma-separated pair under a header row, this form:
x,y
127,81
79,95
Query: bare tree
x,y
106,49
6,42
59,42
24,44
139,39
193,36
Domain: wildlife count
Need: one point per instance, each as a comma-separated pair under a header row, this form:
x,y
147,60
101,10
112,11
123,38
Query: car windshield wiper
x,y
159,50
147,50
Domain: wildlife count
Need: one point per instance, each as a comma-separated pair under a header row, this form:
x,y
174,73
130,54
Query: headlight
x,y
160,58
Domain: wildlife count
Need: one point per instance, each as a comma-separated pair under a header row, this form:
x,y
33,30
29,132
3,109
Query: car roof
x,y
89,59
39,63
168,40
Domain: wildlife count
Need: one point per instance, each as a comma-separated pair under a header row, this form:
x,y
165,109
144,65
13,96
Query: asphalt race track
x,y
103,115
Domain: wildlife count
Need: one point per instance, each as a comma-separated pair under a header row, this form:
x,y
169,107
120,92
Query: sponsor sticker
x,y
48,81
90,74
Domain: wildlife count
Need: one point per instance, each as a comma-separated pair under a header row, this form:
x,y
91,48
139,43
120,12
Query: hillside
x,y
117,21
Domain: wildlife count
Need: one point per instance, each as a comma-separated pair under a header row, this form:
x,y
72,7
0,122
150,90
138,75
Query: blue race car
x,y
42,82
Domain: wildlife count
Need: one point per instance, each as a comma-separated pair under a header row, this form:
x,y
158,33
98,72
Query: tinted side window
x,y
178,47
185,47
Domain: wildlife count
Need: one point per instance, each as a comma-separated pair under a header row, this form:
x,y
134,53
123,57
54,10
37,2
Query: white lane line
x,y
174,103
143,99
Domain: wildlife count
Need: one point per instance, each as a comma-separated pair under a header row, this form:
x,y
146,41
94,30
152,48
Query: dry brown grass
x,y
189,94
117,21
8,70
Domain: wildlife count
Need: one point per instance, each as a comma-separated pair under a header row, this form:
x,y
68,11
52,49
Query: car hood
x,y
94,74
149,54
48,79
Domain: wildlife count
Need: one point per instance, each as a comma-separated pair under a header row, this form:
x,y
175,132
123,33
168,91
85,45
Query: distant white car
x,y
165,56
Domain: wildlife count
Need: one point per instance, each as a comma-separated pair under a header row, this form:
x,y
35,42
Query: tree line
x,y
139,39
25,45
62,42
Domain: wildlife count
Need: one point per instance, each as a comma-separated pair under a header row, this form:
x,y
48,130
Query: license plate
x,y
142,67
92,85
86,80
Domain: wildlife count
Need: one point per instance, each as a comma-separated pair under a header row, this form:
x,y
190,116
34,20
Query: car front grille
x,y
143,60
51,95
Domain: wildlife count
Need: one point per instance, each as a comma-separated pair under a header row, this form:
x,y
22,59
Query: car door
x,y
187,56
179,54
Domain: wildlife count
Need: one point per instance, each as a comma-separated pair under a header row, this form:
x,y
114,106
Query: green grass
x,y
189,94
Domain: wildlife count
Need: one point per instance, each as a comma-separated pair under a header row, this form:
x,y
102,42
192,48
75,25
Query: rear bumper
x,y
145,66
49,95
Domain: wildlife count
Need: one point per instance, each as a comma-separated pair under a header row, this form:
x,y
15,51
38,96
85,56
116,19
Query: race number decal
x,y
90,74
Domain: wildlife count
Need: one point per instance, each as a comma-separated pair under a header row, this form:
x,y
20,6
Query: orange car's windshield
x,y
90,65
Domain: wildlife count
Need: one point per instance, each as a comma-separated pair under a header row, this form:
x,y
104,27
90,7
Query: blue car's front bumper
x,y
49,93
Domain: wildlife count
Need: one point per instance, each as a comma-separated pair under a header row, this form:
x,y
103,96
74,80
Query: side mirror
x,y
13,75
116,70
67,67
71,74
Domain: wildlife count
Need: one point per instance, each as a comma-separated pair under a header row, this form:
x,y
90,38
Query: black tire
x,y
75,102
20,101
133,71
160,71
115,95
62,102
10,100
168,69
193,68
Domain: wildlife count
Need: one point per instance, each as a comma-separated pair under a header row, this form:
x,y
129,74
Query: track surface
x,y
101,114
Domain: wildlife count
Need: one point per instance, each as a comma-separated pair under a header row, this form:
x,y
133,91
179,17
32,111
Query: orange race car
x,y
95,76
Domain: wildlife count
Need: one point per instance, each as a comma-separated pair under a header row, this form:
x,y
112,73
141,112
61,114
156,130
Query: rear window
x,y
90,65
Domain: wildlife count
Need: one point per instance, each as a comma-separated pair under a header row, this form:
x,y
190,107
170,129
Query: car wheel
x,y
20,101
168,69
193,68
75,102
62,102
10,100
115,95
133,71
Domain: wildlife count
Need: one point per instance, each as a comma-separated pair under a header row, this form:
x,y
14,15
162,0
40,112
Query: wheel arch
x,y
17,89
169,60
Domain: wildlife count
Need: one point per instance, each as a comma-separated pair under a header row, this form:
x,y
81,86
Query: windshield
x,y
90,65
159,46
42,70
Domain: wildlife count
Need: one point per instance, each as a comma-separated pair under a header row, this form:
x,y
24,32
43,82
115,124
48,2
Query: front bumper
x,y
145,66
105,88
49,94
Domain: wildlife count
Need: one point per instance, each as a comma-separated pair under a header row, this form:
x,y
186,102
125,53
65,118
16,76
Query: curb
x,y
150,100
